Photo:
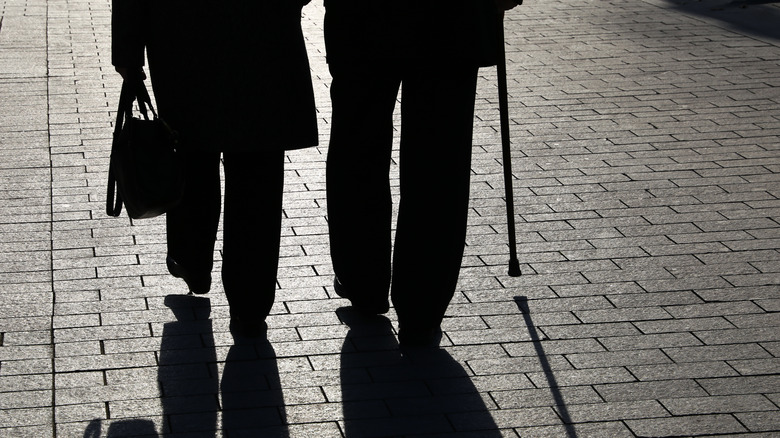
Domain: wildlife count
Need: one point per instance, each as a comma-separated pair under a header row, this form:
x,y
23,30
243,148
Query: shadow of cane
x,y
563,411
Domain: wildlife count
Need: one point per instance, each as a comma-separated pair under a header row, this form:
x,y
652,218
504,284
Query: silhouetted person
x,y
232,78
435,49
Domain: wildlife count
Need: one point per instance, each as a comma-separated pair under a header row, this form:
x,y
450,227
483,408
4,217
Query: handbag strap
x,y
132,90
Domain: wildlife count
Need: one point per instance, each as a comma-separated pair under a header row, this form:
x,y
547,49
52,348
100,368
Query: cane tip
x,y
514,268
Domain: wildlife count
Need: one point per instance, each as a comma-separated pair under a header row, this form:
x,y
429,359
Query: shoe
x,y
197,285
248,328
416,337
370,308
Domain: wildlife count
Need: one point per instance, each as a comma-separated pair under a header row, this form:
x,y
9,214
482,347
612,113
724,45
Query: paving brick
x,y
592,430
684,325
31,399
586,413
111,392
654,299
481,383
617,358
741,335
772,305
505,418
376,427
102,332
741,385
754,321
123,360
567,304
563,346
622,314
65,414
325,430
487,336
126,409
663,340
650,390
768,421
374,391
717,404
513,365
692,370
19,418
78,379
578,331
580,377
523,398
16,353
716,352
464,353
683,284
756,366
609,289
25,367
689,425
36,431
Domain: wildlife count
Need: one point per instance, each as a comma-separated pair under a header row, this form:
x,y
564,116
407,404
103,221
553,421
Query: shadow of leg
x,y
386,393
252,399
132,428
187,372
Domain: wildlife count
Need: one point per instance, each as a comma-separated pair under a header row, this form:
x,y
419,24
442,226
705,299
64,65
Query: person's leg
x,y
192,226
254,183
436,136
358,186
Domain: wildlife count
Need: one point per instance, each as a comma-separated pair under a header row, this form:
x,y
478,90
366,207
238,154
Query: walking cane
x,y
503,106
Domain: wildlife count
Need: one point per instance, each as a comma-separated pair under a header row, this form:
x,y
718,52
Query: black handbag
x,y
145,171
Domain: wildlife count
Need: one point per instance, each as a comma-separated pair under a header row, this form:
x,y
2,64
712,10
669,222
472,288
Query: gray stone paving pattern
x,y
646,138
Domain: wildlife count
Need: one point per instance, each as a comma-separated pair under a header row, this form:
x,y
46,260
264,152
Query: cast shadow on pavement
x,y
560,405
190,388
251,395
187,370
753,17
252,399
387,391
135,428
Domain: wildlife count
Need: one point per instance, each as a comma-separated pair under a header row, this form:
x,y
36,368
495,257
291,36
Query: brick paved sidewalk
x,y
647,165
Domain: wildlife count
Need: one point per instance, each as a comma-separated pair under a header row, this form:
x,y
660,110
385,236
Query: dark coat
x,y
460,31
227,75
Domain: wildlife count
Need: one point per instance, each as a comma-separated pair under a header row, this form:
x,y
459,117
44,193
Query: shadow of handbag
x,y
145,171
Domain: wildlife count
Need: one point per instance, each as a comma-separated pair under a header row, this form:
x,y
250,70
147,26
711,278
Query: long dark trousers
x,y
437,114
252,224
